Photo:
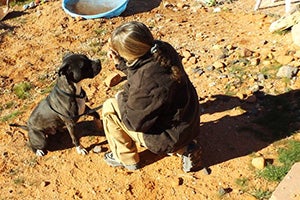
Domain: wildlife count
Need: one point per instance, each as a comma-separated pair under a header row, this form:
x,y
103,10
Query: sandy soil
x,y
32,44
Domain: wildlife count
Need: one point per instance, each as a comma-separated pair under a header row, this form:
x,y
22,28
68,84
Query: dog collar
x,y
81,95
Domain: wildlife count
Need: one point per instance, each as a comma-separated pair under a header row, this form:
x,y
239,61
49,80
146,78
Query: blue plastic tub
x,y
91,9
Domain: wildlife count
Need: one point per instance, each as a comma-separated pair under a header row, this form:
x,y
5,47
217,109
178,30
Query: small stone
x,y
193,60
113,79
168,5
240,95
285,59
206,171
97,149
186,54
296,34
287,72
222,191
210,68
261,77
247,53
45,183
219,65
258,162
254,61
297,54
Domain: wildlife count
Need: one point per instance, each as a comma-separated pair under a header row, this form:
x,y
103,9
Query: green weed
x,y
19,181
274,173
10,116
100,32
287,157
7,105
242,182
22,90
261,194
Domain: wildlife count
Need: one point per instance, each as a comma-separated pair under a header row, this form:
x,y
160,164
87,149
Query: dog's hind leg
x,y
37,142
79,148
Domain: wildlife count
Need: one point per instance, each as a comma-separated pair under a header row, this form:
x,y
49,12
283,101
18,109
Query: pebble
x,y
45,183
285,59
192,60
97,149
261,77
297,54
258,162
254,88
206,171
198,71
247,53
210,68
219,65
254,61
186,54
287,72
240,95
113,79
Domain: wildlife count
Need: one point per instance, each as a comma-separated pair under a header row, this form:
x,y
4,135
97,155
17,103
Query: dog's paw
x,y
39,152
82,151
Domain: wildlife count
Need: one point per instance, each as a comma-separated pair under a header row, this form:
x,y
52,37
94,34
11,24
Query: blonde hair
x,y
132,40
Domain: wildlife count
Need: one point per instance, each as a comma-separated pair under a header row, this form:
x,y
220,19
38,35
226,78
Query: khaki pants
x,y
122,142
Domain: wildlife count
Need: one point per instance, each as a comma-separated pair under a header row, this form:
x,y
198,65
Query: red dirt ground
x,y
32,44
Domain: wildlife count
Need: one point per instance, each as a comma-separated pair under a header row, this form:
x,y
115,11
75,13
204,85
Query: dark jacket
x,y
164,109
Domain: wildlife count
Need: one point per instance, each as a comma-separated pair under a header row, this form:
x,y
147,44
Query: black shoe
x,y
191,158
111,161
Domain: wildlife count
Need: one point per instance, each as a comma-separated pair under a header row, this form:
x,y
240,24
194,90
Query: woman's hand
x,y
112,54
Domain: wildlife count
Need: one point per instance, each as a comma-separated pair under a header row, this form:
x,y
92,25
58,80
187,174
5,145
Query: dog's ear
x,y
63,69
67,55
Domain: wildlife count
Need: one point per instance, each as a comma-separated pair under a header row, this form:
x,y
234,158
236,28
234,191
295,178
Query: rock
x,y
247,53
285,22
258,163
296,34
284,59
254,61
254,88
192,60
287,72
219,65
186,54
206,171
261,77
297,54
113,79
45,183
240,95
97,149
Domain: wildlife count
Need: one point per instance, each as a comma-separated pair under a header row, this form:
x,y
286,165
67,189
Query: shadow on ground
x,y
140,6
268,119
62,140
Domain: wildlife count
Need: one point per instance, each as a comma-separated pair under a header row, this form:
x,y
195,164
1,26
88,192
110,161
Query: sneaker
x,y
111,161
191,158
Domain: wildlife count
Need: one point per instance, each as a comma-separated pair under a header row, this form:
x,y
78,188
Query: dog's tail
x,y
20,126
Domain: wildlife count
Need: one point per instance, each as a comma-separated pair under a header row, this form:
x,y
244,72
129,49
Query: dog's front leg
x,y
79,148
96,117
